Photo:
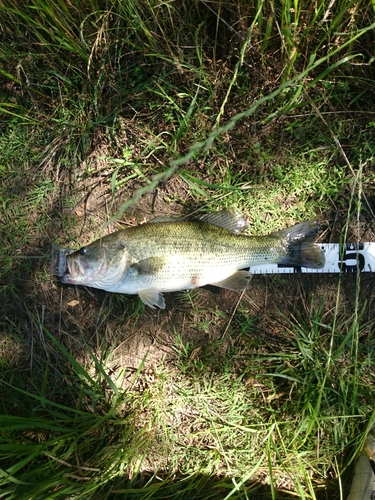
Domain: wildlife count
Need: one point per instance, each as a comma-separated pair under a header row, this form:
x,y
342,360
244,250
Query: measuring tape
x,y
345,257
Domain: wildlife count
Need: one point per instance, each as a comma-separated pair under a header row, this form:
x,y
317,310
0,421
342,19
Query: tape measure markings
x,y
340,257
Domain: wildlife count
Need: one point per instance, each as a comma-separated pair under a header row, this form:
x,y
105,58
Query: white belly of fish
x,y
171,280
177,274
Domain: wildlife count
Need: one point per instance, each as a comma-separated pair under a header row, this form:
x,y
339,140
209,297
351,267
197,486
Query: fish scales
x,y
198,254
202,241
174,255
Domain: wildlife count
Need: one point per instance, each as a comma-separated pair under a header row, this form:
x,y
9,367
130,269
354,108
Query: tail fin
x,y
301,250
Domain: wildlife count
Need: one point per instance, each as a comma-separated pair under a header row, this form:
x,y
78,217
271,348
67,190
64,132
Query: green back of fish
x,y
200,241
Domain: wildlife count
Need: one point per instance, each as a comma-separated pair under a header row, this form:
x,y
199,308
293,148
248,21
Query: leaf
x,y
73,303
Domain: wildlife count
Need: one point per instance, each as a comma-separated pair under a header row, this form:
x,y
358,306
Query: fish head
x,y
102,264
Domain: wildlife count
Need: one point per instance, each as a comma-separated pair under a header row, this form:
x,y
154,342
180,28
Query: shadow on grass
x,y
68,430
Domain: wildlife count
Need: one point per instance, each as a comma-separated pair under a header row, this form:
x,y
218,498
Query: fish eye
x,y
82,251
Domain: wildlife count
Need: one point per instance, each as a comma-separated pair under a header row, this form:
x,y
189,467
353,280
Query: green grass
x,y
248,410
114,114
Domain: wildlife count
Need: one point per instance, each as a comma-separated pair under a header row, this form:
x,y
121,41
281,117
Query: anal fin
x,y
237,281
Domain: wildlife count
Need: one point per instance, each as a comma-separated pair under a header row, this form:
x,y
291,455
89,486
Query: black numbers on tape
x,y
351,259
296,269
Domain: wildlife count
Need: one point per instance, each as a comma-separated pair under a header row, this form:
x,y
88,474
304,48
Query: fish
x,y
169,254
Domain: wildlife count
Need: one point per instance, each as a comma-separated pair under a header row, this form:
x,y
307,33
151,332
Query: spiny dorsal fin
x,y
167,218
231,221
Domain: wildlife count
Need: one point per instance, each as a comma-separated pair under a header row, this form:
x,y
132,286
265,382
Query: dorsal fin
x,y
168,218
233,222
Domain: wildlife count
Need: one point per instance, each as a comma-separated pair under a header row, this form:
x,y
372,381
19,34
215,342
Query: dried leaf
x,y
73,303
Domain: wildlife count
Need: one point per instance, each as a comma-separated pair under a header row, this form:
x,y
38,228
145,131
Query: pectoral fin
x,y
149,266
152,298
238,281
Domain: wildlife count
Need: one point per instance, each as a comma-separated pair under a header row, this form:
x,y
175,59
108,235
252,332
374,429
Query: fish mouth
x,y
58,265
74,272
79,273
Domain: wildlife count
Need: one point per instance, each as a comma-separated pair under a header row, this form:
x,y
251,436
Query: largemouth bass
x,y
168,255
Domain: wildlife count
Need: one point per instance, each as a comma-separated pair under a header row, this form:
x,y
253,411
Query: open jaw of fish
x,y
171,254
99,272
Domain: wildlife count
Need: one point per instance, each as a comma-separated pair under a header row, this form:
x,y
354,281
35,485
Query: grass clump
x,y
114,113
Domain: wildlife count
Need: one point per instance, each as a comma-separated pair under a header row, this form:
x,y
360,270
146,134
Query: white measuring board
x,y
345,257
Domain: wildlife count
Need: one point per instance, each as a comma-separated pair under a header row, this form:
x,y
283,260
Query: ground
x,y
114,117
